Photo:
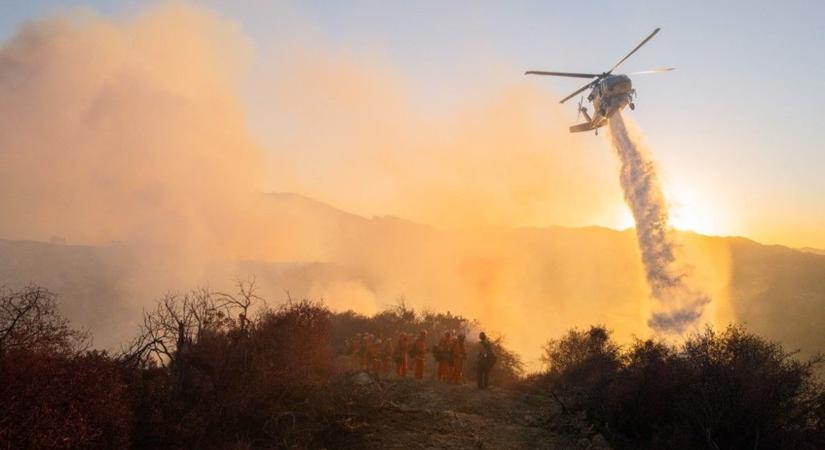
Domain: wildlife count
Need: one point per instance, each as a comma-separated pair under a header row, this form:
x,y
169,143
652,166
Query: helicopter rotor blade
x,y
561,74
664,69
585,87
634,50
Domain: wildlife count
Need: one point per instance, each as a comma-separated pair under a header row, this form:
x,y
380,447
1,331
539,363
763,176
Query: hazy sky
x,y
733,128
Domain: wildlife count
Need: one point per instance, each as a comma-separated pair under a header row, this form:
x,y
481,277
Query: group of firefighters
x,y
379,356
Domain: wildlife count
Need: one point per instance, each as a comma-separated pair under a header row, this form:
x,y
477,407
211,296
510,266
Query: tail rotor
x,y
579,109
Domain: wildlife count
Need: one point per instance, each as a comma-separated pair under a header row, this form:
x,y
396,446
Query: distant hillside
x,y
527,283
779,292
88,279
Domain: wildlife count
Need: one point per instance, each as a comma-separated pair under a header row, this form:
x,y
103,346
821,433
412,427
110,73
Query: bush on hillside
x,y
227,379
717,390
54,393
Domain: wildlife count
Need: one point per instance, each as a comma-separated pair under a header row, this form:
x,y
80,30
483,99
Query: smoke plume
x,y
681,306
127,132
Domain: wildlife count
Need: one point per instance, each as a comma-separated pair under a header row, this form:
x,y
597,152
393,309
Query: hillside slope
x,y
426,415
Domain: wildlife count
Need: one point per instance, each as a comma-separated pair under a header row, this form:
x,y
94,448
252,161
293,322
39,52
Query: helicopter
x,y
609,93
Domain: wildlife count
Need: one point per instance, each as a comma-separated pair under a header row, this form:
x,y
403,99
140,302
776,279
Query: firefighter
x,y
386,357
419,352
366,346
486,360
355,351
375,356
444,355
400,355
459,355
349,344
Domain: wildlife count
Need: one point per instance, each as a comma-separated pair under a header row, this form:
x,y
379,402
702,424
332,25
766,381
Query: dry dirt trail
x,y
431,415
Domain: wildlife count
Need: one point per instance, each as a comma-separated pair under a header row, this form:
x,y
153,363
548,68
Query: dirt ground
x,y
432,415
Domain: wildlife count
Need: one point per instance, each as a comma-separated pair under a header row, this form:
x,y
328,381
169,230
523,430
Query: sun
x,y
692,209
626,219
689,209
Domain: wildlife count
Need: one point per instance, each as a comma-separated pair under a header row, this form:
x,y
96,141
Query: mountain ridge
x,y
559,276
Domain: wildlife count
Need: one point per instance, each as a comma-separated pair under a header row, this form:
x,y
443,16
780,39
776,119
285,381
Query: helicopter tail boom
x,y
587,126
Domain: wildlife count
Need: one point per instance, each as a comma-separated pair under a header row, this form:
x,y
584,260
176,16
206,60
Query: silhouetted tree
x,y
54,393
29,321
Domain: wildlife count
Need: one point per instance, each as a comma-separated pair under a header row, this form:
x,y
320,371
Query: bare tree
x,y
241,302
29,320
180,319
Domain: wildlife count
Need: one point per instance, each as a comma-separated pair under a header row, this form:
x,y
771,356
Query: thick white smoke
x,y
679,305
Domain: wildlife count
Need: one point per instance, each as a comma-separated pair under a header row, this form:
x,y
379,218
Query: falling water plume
x,y
679,306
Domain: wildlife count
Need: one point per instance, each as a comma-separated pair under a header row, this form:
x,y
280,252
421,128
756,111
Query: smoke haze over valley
x,y
524,283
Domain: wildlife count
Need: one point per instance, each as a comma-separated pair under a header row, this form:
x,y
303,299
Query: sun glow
x,y
691,209
626,220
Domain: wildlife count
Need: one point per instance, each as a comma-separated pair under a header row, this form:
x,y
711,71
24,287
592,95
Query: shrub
x,y
581,366
226,379
749,392
717,390
53,393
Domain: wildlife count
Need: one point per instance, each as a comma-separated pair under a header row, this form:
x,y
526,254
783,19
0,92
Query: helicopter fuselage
x,y
610,95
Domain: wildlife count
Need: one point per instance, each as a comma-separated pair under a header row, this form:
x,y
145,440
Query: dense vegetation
x,y
207,370
716,390
200,374
214,370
